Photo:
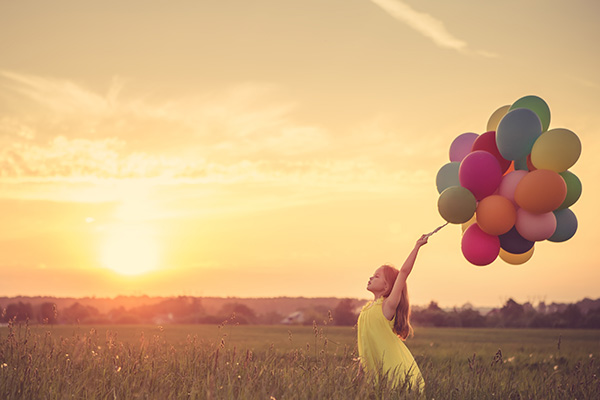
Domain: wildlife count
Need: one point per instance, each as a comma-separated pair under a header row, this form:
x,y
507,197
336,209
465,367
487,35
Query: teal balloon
x,y
447,176
574,188
517,132
566,225
537,105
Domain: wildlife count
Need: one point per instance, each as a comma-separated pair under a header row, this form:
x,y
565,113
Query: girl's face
x,y
377,282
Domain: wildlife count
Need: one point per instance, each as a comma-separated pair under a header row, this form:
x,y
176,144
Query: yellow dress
x,y
382,352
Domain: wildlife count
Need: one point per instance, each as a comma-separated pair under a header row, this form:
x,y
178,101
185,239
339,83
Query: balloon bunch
x,y
510,187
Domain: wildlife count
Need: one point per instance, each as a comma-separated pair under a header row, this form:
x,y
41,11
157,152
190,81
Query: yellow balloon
x,y
516,259
496,117
556,150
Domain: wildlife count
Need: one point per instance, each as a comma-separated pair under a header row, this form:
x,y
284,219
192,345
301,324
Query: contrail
x,y
423,23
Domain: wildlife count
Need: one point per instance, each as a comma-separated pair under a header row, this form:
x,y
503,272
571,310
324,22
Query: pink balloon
x,y
509,184
478,247
535,227
480,173
461,146
487,142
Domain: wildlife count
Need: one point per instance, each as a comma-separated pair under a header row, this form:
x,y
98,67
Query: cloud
x,y
61,140
426,25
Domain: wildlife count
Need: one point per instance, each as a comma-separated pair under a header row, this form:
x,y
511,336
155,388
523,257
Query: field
x,y
232,361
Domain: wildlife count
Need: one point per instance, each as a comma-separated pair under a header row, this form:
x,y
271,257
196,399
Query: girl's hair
x,y
402,326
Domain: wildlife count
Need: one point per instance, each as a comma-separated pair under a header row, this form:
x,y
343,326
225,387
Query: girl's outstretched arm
x,y
391,302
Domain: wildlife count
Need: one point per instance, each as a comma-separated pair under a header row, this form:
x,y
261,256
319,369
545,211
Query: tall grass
x,y
254,362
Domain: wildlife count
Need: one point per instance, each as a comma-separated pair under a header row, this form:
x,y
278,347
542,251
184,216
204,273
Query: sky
x,y
275,148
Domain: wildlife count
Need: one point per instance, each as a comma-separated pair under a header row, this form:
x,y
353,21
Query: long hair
x,y
402,326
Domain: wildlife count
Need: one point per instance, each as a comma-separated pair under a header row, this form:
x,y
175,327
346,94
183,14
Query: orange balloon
x,y
496,215
541,191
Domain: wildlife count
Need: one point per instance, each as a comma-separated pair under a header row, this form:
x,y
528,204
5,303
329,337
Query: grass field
x,y
278,362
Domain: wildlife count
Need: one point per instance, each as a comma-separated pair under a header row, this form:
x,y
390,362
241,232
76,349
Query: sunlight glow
x,y
130,250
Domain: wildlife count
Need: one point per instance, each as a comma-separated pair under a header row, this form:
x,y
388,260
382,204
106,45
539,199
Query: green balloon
x,y
574,188
457,204
538,106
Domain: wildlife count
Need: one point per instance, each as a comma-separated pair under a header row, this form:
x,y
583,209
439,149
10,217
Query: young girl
x,y
383,325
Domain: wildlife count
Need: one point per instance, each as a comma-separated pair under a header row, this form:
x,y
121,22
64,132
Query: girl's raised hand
x,y
422,240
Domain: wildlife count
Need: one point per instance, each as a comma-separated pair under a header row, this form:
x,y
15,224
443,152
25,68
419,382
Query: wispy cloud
x,y
61,134
426,25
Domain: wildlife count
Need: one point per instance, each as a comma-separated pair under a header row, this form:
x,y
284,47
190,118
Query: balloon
x,y
495,118
556,150
516,259
461,146
514,243
538,106
541,191
535,227
496,215
478,247
457,204
487,142
521,164
480,173
517,132
530,165
566,226
573,189
509,184
447,176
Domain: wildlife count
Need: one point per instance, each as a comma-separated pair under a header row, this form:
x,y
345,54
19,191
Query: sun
x,y
130,250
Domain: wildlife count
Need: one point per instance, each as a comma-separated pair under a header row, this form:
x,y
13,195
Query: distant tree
x,y
270,318
433,315
19,311
48,313
572,316
318,314
470,318
243,314
77,313
512,314
592,319
344,314
181,309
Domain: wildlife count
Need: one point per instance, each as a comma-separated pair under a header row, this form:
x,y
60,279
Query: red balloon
x,y
478,247
487,142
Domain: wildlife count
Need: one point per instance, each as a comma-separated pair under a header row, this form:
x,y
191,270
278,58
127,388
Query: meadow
x,y
230,361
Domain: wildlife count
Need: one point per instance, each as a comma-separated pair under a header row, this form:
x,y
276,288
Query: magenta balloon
x,y
509,184
461,146
487,142
478,247
535,227
480,173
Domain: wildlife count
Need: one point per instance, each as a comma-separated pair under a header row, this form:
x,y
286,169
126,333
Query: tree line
x,y
189,310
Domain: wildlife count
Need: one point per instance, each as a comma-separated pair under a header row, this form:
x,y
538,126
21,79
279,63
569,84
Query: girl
x,y
383,325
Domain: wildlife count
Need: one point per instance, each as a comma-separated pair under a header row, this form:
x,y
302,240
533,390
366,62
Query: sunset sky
x,y
275,148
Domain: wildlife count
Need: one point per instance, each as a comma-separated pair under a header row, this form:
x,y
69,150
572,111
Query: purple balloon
x,y
514,243
481,173
461,146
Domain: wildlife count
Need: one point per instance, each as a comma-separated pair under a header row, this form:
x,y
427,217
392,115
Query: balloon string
x,y
437,229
